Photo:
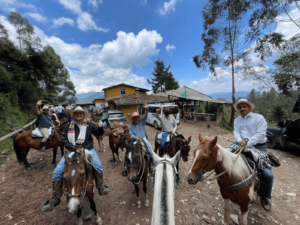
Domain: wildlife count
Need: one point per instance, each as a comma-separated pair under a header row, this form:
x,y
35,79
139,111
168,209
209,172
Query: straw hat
x,y
135,114
243,100
78,109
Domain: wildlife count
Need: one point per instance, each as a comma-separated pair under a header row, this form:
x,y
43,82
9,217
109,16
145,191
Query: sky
x,y
107,42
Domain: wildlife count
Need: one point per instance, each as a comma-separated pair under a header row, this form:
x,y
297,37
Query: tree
x,y
3,31
164,80
224,49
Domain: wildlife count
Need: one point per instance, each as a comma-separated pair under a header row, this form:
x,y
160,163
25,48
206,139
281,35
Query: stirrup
x,y
125,173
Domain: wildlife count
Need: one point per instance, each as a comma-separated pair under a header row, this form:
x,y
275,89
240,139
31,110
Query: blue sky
x,y
106,42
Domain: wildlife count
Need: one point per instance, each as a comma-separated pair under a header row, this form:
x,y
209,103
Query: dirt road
x,y
22,193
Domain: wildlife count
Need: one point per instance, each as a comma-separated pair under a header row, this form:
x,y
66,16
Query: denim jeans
x,y
268,175
104,124
164,139
59,170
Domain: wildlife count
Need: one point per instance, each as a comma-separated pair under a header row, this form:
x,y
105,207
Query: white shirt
x,y
60,109
252,126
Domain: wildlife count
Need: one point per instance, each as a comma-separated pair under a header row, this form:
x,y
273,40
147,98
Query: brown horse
x,y
24,142
118,139
210,156
98,138
176,143
78,183
137,165
113,126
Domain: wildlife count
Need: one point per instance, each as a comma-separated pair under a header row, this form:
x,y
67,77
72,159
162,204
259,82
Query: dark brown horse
x,y
119,138
98,138
137,163
113,126
78,183
24,142
176,143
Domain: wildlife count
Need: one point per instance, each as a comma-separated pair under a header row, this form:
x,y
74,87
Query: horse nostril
x,y
190,180
189,154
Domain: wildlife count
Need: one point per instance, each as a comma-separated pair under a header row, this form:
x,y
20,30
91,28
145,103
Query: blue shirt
x,y
44,120
139,129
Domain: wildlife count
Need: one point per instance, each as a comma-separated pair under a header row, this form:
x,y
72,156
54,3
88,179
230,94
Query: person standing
x,y
254,127
44,123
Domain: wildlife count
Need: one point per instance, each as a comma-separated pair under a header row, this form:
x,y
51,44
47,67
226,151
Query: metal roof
x,y
141,89
85,101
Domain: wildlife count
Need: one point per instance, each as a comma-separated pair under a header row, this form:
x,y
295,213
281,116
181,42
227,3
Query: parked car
x,y
152,111
114,115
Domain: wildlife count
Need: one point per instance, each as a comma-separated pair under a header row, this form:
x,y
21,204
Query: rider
x,y
44,123
137,131
59,109
168,125
254,127
78,132
105,115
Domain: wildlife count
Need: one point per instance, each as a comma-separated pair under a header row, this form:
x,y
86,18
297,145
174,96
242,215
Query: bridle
x,y
57,132
199,176
179,146
140,172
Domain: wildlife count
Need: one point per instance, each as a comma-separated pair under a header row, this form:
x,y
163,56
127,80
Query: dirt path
x,y
22,193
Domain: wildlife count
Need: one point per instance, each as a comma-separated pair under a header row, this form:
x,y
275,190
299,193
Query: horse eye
x,y
204,159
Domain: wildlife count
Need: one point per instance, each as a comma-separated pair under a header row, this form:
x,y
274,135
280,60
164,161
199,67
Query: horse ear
x,y
67,158
200,137
176,158
214,141
81,157
189,139
155,157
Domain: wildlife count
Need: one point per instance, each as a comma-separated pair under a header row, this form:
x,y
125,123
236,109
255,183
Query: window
x,y
123,91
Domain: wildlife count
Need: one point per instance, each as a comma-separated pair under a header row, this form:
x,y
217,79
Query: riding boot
x,y
54,201
125,172
102,188
42,147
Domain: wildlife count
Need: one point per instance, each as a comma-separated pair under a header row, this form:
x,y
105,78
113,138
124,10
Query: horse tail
x,y
18,151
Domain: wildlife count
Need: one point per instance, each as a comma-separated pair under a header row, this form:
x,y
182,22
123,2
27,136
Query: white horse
x,y
164,189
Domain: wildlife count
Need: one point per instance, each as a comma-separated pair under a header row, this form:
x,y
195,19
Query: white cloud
x,y
95,3
84,20
62,21
38,17
168,7
13,5
170,48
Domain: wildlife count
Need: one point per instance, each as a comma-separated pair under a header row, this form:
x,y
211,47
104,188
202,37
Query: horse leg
x,y
244,211
54,155
137,190
112,147
62,150
116,152
79,212
27,165
93,207
120,160
145,191
177,175
226,211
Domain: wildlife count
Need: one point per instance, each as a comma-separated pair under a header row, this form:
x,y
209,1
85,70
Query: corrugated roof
x,y
131,99
141,89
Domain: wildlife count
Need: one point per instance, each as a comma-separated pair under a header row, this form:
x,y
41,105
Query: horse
x,y
98,138
210,156
137,165
164,178
24,142
113,125
78,183
176,143
118,139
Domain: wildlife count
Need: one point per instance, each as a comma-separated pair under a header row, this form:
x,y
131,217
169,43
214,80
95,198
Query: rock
x,y
219,214
296,217
117,203
133,213
291,194
8,217
133,205
198,191
124,203
213,219
235,218
88,217
178,211
206,219
260,216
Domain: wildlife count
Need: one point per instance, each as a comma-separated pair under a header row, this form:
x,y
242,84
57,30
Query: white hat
x,y
78,109
243,100
45,107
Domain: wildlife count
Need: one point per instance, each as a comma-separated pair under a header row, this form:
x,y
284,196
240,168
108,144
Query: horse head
x,y
74,180
133,160
205,159
185,148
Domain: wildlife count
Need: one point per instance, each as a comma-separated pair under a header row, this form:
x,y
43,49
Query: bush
x,y
200,109
212,108
277,113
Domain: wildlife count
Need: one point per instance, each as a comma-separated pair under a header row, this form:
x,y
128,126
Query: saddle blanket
x,y
160,136
37,132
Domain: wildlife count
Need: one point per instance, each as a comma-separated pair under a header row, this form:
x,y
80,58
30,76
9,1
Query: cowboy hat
x,y
166,109
243,100
45,107
135,114
78,109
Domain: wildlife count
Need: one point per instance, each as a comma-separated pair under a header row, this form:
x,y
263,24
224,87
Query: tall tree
x,y
164,80
224,49
3,31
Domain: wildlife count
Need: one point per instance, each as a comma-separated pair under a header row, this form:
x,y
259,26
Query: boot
x,y
42,147
102,188
125,173
266,204
54,201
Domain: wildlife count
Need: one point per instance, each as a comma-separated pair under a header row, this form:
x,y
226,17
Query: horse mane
x,y
180,136
164,197
239,169
87,165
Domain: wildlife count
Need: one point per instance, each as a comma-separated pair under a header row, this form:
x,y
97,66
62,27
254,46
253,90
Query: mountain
x,y
228,95
92,94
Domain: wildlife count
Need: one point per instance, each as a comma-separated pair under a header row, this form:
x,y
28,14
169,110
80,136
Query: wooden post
x,y
184,115
206,107
195,117
208,121
218,109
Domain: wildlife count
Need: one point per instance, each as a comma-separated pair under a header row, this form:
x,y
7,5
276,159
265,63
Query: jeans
x,y
59,170
104,123
164,139
268,175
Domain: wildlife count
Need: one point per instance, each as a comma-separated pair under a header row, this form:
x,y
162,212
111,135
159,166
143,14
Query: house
x,y
85,103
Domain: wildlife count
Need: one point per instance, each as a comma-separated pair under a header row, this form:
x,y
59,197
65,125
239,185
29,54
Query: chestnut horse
x,y
119,138
210,156
78,183
176,143
24,142
137,163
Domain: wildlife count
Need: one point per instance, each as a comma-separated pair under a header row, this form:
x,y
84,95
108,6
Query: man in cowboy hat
x,y
77,137
168,125
137,131
44,123
254,127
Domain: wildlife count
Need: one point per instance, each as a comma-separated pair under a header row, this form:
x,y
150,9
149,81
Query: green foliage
x,y
225,123
164,80
277,113
212,108
200,109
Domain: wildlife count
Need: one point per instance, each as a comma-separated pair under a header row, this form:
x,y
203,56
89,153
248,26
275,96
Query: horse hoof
x,y
224,223
120,160
147,203
28,167
116,162
139,205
